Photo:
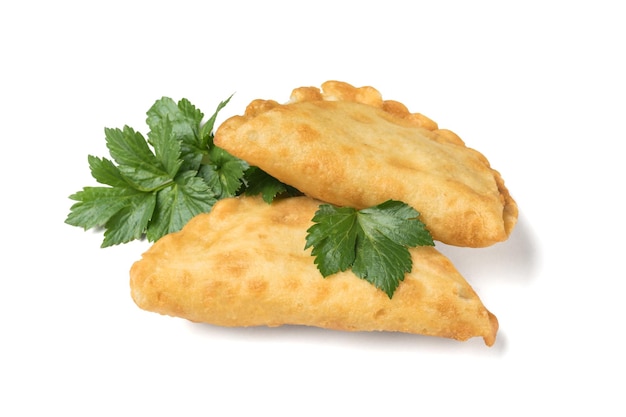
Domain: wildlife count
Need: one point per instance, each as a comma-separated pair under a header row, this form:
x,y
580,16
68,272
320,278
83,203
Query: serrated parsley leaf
x,y
136,162
397,221
333,238
105,172
185,119
373,242
96,205
260,182
167,151
131,221
178,203
223,172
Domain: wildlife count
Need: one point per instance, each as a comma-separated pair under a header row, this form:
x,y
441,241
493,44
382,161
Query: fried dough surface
x,y
244,264
346,146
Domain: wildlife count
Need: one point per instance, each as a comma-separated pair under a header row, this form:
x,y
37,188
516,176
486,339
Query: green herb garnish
x,y
154,187
373,241
260,182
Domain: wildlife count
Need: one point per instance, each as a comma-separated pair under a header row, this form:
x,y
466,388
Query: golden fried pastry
x,y
244,264
346,146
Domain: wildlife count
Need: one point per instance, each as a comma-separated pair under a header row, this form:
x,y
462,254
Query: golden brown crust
x,y
349,147
244,264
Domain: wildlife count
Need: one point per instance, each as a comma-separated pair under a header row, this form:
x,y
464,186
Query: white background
x,y
538,87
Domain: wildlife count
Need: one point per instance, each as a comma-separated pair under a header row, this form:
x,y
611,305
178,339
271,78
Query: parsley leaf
x,y
154,186
260,182
136,162
178,203
130,222
223,172
97,205
373,242
185,119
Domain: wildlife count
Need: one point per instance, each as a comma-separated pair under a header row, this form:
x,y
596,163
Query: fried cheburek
x,y
243,264
346,146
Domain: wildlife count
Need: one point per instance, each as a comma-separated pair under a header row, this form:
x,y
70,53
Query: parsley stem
x,y
163,186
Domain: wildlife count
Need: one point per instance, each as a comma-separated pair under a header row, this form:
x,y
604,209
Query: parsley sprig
x,y
373,241
154,186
